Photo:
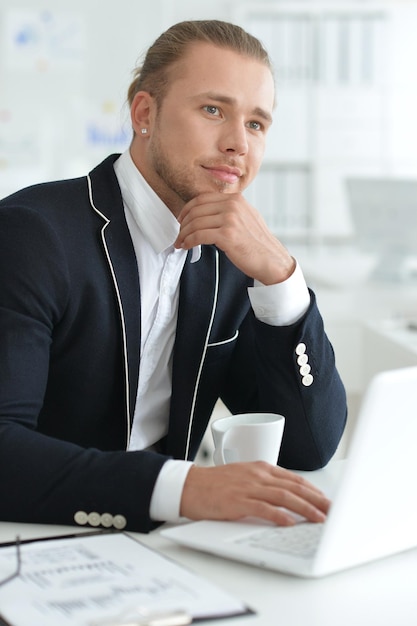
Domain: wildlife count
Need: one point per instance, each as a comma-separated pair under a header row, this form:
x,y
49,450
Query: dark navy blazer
x,y
69,359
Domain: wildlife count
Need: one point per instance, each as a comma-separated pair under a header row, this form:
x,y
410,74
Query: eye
x,y
211,109
255,125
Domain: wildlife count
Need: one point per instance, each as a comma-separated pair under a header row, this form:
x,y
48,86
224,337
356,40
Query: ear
x,y
141,111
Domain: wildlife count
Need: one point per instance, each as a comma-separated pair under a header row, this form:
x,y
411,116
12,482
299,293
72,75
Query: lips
x,y
225,173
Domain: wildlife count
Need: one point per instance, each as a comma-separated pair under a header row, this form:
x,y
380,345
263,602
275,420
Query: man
x,y
133,298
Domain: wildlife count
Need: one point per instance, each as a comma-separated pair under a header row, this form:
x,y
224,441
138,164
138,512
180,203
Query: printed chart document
x,y
91,579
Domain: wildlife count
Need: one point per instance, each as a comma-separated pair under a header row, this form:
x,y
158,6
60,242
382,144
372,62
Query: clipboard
x,y
84,578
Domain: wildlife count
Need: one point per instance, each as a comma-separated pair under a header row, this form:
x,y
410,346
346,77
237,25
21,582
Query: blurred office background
x,y
339,180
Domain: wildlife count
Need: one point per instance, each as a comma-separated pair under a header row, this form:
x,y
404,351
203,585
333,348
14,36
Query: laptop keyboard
x,y
299,540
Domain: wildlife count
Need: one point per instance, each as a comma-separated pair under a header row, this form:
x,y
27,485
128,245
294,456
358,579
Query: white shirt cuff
x,y
281,304
167,492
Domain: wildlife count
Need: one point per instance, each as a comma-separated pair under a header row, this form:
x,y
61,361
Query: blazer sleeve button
x,y
300,349
302,359
119,522
106,520
94,519
307,380
80,518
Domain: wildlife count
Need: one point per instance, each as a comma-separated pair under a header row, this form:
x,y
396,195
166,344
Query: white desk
x,y
382,593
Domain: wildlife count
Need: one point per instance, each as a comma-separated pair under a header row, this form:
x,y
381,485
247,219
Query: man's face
x,y
209,133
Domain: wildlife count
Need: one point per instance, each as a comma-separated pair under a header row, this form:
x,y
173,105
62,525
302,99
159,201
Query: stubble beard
x,y
176,184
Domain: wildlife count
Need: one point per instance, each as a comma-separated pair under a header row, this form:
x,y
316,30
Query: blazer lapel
x,y
105,198
197,301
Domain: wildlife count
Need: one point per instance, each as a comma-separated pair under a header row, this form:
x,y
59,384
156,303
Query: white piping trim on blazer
x,y
221,343
119,300
213,311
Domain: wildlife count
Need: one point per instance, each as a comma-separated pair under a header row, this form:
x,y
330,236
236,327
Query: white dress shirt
x,y
154,229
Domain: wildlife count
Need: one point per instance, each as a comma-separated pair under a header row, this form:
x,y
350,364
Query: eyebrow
x,y
218,97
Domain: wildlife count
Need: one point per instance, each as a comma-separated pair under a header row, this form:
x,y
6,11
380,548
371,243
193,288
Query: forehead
x,y
208,68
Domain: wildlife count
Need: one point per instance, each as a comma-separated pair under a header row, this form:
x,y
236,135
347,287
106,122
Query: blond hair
x,y
153,75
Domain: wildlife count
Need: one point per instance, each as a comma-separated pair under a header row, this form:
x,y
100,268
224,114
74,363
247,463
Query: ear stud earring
x,y
144,131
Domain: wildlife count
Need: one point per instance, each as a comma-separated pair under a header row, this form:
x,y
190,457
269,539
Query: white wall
x,y
50,102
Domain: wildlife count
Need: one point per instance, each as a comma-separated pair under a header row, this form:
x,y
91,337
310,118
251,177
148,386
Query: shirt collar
x,y
157,223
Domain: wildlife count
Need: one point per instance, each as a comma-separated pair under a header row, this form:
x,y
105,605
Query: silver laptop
x,y
374,506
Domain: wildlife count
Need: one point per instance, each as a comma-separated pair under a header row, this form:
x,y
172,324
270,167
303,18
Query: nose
x,y
234,138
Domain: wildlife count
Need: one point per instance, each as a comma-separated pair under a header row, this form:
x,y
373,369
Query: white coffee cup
x,y
247,437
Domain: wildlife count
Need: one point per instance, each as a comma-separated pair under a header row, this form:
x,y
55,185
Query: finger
x,y
303,502
281,488
299,499
279,508
199,210
223,229
279,516
305,490
275,515
281,473
199,230
210,199
263,471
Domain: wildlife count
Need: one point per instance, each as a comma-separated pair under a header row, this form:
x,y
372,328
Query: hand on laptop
x,y
237,490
